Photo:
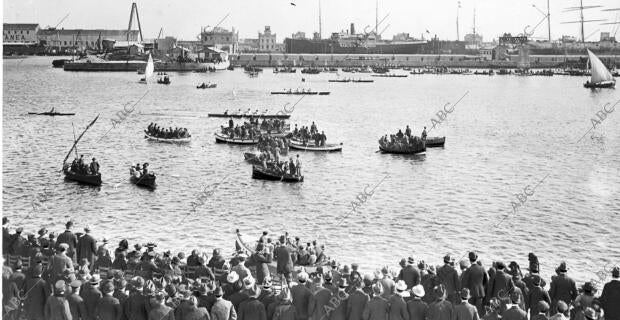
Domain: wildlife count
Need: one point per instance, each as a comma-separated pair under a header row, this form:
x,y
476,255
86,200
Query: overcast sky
x,y
183,19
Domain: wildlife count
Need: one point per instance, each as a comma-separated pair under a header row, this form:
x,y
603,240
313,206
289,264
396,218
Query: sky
x,y
184,19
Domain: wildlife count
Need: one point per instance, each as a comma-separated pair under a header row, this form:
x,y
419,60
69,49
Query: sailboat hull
x,y
605,84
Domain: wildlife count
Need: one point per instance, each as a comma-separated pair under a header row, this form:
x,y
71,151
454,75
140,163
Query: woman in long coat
x,y
262,258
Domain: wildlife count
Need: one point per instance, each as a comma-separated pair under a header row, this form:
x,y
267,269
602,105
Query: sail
x,y
599,71
150,67
78,139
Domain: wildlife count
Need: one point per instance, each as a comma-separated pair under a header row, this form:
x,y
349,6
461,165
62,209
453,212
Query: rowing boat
x,y
432,142
258,172
167,140
147,180
91,179
251,158
320,93
51,114
248,115
311,147
220,138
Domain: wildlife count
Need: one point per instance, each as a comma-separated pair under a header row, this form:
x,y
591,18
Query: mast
x,y
583,38
457,21
78,139
549,20
376,21
475,25
320,23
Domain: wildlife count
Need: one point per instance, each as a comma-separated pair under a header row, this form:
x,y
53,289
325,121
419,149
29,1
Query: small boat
x,y
258,172
91,179
247,115
401,148
251,158
320,93
167,140
601,77
206,86
59,63
147,180
164,80
148,70
221,138
433,142
51,113
390,75
312,147
311,70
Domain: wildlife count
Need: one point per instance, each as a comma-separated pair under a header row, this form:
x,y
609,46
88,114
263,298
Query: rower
x,y
94,166
298,165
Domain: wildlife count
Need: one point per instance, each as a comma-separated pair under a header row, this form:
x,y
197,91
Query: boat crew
x,y
94,166
424,134
231,123
145,169
408,131
298,165
74,165
291,166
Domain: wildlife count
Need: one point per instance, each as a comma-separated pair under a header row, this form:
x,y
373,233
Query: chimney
x,y
352,29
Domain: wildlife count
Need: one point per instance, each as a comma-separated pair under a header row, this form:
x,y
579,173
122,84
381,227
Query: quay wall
x,y
409,60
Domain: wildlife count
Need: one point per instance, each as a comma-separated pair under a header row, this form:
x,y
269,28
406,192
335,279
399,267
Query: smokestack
x,y
352,28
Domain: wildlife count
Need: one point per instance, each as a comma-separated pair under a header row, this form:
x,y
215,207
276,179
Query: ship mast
x,y
376,20
475,42
457,21
583,38
549,21
320,24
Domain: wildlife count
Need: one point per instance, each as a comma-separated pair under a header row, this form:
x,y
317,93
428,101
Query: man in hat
x,y
222,309
475,278
94,166
441,309
328,283
266,294
387,283
449,277
38,292
611,296
192,260
337,308
398,306
193,311
536,294
70,239
149,267
561,312
91,295
240,268
239,293
57,306
87,247
514,312
252,308
501,282
18,277
377,308
301,296
417,309
108,308
429,282
357,301
318,301
262,258
282,308
409,273
159,310
284,258
18,244
43,240
120,285
528,279
60,262
466,311
543,310
562,288
76,303
135,307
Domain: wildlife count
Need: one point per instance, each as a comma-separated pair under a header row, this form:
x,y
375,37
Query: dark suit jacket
x,y
610,300
38,292
500,283
136,306
69,238
161,312
284,259
398,308
563,288
529,282
57,308
418,309
223,310
356,303
91,296
301,300
475,279
465,311
441,310
411,275
252,309
535,295
108,308
76,305
87,248
195,313
318,301
514,313
376,309
450,278
340,306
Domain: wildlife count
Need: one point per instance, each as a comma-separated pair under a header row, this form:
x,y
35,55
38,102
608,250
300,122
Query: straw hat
x,y
418,290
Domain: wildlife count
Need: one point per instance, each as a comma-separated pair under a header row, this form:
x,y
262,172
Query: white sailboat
x,y
148,71
601,77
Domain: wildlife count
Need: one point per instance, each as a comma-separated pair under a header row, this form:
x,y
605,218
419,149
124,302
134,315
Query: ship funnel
x,y
352,28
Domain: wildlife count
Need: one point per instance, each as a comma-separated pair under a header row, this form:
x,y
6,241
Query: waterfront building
x,y
23,33
221,39
63,39
298,35
248,45
267,41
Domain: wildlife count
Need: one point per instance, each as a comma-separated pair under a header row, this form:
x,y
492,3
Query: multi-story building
x,y
20,33
62,39
248,45
299,35
221,39
267,41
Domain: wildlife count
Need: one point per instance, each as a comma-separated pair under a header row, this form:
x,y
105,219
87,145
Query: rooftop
x,y
20,26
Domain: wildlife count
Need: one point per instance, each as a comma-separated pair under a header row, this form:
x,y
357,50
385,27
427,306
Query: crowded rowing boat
x,y
248,114
206,85
301,92
276,170
351,80
142,176
403,143
391,75
157,133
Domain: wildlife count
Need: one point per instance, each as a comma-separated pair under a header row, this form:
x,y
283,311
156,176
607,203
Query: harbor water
x,y
505,134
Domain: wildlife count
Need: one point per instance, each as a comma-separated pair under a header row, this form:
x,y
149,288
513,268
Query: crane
x,y
59,22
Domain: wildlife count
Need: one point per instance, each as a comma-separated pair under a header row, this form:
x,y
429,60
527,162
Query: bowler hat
x,y
418,290
500,265
249,281
447,258
615,272
473,256
588,287
95,279
562,267
464,264
410,260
